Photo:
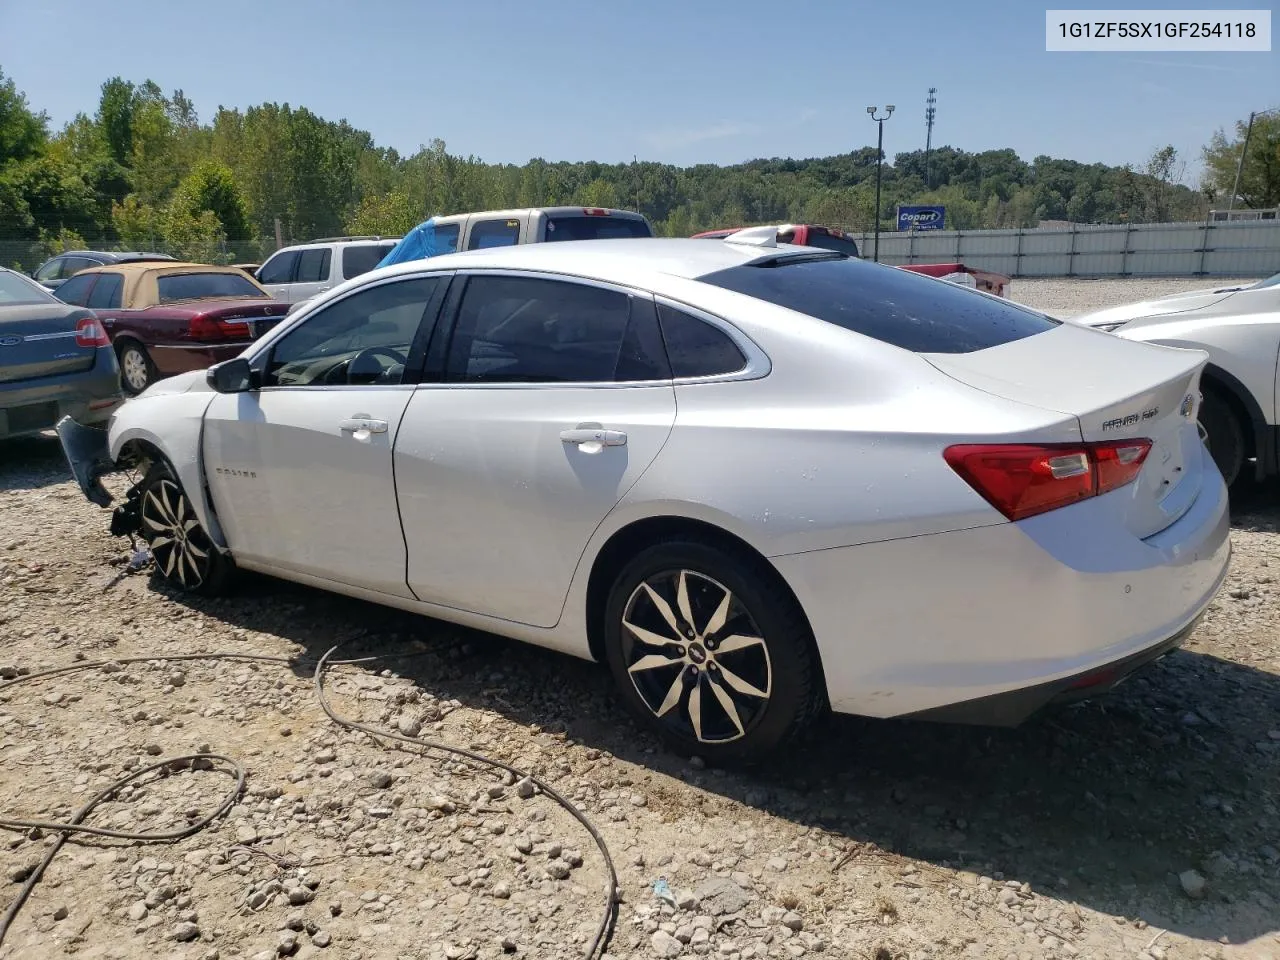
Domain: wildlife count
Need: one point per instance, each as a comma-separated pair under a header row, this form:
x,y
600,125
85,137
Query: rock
x,y
300,895
687,901
61,913
185,932
326,755
321,938
501,890
776,864
793,921
176,679
408,726
721,895
246,834
524,788
137,911
509,945
1193,885
287,945
443,804
558,870
19,873
380,779
665,945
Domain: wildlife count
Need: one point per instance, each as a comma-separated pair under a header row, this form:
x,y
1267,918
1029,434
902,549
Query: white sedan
x,y
758,481
1239,328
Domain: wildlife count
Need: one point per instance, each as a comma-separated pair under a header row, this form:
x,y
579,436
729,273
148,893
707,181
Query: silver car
x,y
55,361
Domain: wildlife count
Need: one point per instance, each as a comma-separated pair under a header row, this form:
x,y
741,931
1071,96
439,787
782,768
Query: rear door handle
x,y
606,438
368,424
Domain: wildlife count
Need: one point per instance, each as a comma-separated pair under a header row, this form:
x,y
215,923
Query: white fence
x,y
1234,249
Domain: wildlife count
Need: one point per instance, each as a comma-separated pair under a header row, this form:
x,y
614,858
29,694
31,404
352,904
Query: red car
x,y
827,238
167,318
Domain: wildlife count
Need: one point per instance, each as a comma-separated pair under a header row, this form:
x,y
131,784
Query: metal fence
x,y
1234,249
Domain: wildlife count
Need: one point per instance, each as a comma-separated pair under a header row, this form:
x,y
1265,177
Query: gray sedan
x,y
55,361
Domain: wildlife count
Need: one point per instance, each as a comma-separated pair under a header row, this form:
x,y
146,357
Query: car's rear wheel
x,y
1223,433
711,652
183,553
137,372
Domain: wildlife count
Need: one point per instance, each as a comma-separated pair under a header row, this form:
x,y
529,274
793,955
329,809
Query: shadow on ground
x,y
29,463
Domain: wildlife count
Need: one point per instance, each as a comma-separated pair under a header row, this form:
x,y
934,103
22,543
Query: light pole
x,y
879,162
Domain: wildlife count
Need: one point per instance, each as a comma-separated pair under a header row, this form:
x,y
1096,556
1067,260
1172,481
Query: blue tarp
x,y
418,244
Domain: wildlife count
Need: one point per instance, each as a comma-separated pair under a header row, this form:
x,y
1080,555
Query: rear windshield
x,y
14,289
581,227
199,286
896,306
362,259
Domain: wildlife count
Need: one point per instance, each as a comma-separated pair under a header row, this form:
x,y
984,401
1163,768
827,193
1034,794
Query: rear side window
x,y
106,292
279,269
447,237
363,258
197,286
494,233
76,290
525,330
696,348
895,306
313,265
582,227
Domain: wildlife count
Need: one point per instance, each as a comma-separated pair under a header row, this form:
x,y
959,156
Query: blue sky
x,y
694,81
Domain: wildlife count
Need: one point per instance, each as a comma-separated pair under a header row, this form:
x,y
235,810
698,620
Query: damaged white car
x,y
758,481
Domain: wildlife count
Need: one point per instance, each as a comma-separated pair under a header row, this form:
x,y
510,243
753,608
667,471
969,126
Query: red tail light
x,y
90,333
595,212
210,328
1022,480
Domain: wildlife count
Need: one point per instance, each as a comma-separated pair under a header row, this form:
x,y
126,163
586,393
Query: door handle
x,y
367,424
606,438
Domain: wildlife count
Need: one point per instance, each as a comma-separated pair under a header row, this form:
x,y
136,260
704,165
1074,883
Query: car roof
x,y
159,266
115,255
635,258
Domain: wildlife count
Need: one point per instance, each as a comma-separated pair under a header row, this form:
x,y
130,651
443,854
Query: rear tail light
x,y
1022,480
211,328
90,333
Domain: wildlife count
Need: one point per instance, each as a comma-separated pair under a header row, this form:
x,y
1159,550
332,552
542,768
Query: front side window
x,y
885,303
361,340
530,330
76,290
49,271
313,265
279,269
174,287
73,265
106,292
494,233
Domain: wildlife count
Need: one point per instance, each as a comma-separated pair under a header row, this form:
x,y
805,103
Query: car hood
x,y
1173,305
191,382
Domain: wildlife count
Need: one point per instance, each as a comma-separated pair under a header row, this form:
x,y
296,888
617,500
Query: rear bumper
x,y
173,359
89,396
994,622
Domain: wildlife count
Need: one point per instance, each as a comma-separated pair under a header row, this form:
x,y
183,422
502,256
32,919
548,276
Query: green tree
x,y
212,187
198,238
115,118
1260,174
138,225
23,133
392,214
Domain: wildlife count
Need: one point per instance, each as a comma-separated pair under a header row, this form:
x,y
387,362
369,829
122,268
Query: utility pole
x,y
1231,201
879,164
930,111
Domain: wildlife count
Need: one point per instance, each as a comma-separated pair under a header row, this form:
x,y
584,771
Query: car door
x,y
555,398
300,469
277,274
312,275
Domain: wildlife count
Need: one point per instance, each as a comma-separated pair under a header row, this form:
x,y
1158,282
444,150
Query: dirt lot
x,y
1065,838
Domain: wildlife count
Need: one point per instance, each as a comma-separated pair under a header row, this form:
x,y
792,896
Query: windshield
x,y
202,286
16,289
1269,282
889,304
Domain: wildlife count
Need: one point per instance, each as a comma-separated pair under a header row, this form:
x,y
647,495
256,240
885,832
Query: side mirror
x,y
230,376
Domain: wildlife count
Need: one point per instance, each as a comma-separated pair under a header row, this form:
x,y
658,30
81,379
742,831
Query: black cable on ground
x,y
75,825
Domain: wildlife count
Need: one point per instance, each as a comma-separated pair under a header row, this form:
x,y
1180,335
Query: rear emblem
x,y
10,341
1188,405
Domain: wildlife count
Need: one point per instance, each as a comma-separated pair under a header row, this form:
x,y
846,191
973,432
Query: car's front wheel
x,y
183,553
1223,433
711,652
137,372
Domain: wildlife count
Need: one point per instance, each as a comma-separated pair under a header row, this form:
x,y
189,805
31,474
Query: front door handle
x,y
365,424
606,438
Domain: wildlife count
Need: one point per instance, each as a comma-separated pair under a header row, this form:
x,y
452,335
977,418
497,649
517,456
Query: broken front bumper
x,y
88,456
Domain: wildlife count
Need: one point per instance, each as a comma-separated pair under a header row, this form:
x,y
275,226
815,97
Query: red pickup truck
x,y
828,238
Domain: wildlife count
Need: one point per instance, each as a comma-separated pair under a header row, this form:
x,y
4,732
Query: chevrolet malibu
x,y
758,481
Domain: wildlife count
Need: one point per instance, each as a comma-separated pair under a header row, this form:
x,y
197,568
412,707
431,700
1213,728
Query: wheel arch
x,y
623,544
182,455
1259,436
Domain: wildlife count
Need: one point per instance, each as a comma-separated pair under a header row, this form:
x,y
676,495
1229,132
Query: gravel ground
x,y
1066,298
1144,825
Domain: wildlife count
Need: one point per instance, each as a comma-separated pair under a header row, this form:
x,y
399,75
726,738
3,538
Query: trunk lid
x,y
258,315
39,340
1117,390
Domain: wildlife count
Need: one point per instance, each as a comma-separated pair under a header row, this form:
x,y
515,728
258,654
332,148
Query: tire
x,y
770,681
137,372
1225,435
184,556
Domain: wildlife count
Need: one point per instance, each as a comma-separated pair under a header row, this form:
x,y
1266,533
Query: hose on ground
x,y
197,761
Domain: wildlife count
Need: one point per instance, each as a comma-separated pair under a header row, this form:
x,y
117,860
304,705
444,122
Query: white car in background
x,y
1238,326
757,480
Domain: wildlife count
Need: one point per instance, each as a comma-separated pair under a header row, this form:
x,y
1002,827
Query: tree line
x,y
144,172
